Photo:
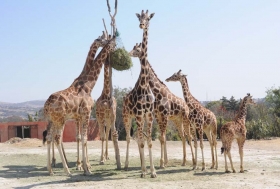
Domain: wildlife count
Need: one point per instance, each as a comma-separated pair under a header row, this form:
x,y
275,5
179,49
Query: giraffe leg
x,y
58,138
182,135
101,124
162,140
195,146
108,127
84,145
141,143
49,138
78,139
230,159
149,118
165,151
53,156
240,146
127,124
209,137
214,139
187,130
226,166
114,137
201,147
64,152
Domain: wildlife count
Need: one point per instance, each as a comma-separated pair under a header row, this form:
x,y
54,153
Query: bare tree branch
x,y
105,26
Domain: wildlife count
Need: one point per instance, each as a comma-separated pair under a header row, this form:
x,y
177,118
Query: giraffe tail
x,y
45,132
222,150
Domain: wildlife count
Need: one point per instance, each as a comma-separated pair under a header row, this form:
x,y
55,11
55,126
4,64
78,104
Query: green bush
x,y
257,129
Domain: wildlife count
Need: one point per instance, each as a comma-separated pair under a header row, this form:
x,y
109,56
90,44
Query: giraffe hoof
x,y
51,174
227,171
241,171
79,168
143,175
69,174
162,167
153,175
125,168
87,173
101,163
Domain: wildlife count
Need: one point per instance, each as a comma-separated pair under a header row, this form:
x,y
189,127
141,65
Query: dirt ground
x,y
23,165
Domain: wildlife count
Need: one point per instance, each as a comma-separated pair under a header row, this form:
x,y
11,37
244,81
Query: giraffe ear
x,y
151,16
138,15
179,72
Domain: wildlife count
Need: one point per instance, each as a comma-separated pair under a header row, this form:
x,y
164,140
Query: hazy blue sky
x,y
225,47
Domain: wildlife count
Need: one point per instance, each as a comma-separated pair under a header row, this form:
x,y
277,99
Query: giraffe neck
x,y
87,81
187,94
143,77
90,58
107,80
154,82
241,116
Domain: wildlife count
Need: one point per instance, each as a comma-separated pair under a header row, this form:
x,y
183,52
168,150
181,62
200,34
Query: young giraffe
x,y
139,103
235,129
106,117
75,102
167,106
201,119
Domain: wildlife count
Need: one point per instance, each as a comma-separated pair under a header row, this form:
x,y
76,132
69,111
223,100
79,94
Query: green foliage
x,y
273,99
231,104
171,132
120,59
257,129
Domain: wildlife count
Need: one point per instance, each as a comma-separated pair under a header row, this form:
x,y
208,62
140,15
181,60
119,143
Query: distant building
x,y
35,129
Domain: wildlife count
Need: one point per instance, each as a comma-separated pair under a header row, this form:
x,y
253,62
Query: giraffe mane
x,y
156,74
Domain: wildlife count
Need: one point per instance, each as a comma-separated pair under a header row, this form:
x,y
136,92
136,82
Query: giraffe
x,y
235,129
201,119
167,106
138,103
99,42
75,102
106,116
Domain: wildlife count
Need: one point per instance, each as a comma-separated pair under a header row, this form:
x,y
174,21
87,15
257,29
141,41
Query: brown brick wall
x,y
8,130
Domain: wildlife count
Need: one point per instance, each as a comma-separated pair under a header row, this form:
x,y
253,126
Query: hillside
x,y
20,109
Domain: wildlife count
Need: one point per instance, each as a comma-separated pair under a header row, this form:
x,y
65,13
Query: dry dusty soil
x,y
23,165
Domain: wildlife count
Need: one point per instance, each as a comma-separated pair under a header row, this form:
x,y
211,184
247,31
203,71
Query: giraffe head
x,y
144,19
248,99
102,40
111,42
136,51
177,76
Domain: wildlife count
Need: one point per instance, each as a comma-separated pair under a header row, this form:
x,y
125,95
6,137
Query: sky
x,y
226,48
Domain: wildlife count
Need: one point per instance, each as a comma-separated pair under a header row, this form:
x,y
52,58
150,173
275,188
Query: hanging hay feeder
x,y
120,58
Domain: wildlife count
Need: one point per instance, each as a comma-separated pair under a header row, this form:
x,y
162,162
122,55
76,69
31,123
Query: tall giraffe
x,y
75,102
167,106
235,129
139,102
201,119
106,116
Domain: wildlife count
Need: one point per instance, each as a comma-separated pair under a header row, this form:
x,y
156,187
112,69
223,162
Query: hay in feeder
x,y
120,59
